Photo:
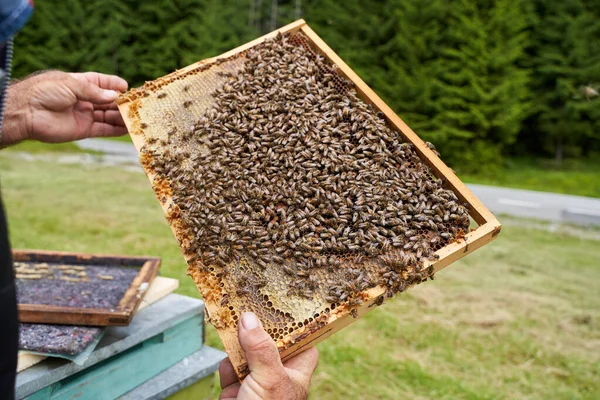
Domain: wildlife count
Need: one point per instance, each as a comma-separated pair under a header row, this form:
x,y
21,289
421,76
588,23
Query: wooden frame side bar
x,y
133,296
472,241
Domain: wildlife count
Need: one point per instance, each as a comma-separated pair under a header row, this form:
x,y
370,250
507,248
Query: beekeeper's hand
x,y
56,107
269,378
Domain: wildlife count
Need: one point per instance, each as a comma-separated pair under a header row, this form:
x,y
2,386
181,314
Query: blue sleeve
x,y
13,15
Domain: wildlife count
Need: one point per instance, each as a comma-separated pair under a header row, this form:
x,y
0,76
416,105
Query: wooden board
x,y
159,288
120,315
331,321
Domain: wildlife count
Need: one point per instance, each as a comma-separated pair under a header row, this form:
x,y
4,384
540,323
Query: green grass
x,y
519,318
124,138
577,177
34,147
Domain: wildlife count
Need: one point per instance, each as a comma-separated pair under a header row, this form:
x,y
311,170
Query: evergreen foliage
x,y
452,73
478,78
565,55
137,40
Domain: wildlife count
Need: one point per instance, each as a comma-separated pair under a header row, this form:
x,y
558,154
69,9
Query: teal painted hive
x,y
159,337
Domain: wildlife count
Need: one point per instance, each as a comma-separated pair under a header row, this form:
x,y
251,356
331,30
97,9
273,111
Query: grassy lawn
x,y
517,319
33,147
578,177
125,138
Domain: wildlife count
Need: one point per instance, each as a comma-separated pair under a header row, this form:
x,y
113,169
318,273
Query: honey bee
x,y
241,291
224,300
302,187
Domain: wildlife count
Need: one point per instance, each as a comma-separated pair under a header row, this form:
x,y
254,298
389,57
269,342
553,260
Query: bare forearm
x,y
15,124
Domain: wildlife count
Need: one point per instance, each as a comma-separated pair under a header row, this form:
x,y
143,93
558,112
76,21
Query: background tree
x,y
451,70
478,78
56,37
137,40
565,58
355,29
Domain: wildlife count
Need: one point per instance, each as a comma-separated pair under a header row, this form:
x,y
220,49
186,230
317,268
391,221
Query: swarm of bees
x,y
292,171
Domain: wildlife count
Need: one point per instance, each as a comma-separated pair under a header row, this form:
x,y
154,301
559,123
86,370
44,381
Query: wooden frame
x,y
119,316
327,324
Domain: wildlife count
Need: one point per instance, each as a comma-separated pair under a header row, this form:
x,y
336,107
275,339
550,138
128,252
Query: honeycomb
x,y
190,124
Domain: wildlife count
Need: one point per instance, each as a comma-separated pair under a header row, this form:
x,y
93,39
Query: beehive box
x,y
294,191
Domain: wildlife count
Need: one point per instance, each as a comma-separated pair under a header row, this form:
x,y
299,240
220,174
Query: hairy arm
x,y
56,107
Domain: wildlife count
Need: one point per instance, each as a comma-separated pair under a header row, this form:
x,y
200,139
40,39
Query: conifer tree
x,y
355,29
109,29
565,57
56,37
452,73
137,40
456,71
176,33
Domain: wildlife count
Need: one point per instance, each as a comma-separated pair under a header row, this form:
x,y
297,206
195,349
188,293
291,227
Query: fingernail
x,y
109,94
249,321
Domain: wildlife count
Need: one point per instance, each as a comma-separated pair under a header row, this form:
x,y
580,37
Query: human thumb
x,y
87,91
261,352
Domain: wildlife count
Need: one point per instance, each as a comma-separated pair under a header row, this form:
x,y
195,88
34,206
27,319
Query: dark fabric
x,y
9,330
13,15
